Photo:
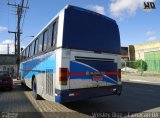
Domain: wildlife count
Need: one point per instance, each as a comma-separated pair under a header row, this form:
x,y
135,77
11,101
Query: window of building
x,y
4,67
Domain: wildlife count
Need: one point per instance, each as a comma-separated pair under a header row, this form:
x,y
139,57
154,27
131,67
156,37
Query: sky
x,y
136,25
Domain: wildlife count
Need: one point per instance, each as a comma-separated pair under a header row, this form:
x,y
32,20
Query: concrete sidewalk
x,y
141,79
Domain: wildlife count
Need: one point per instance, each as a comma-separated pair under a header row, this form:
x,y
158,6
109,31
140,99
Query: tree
x,y
140,64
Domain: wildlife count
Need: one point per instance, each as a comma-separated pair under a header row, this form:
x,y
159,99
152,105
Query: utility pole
x,y
8,48
20,8
19,13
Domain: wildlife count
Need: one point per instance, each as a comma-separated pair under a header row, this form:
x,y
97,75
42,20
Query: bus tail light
x,y
119,75
63,76
74,94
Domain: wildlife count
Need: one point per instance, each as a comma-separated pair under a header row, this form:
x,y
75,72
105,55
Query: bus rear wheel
x,y
34,90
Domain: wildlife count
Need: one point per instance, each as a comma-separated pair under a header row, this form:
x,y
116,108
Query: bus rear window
x,y
88,31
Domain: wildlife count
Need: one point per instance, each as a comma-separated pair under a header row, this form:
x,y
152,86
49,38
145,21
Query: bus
x,y
76,56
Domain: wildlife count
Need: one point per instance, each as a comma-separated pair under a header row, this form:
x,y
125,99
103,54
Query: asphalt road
x,y
15,101
136,97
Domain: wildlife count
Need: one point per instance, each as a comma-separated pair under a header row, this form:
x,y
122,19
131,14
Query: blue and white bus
x,y
76,56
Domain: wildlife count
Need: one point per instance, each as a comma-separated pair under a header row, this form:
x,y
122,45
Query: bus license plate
x,y
97,77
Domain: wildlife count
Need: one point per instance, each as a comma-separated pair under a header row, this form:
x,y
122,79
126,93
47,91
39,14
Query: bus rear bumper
x,y
70,95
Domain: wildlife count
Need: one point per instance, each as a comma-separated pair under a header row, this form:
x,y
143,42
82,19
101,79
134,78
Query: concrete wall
x,y
12,69
7,59
148,47
8,63
124,54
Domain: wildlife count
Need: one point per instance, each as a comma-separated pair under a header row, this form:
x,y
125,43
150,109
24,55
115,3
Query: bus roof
x,y
89,11
65,8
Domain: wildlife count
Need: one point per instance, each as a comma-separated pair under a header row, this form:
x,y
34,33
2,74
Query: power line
x,y
20,8
27,5
14,19
8,16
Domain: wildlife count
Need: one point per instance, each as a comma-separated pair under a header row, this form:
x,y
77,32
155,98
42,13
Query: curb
x,y
141,81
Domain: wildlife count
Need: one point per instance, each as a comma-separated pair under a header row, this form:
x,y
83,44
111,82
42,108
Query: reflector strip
x,y
93,73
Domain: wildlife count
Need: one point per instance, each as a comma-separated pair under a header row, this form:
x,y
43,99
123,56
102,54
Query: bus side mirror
x,y
21,49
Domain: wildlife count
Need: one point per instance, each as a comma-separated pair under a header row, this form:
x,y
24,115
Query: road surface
x,y
136,97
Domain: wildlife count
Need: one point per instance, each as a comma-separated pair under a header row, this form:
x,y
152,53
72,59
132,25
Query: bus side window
x,y
54,34
32,48
49,36
40,43
45,37
29,51
26,54
36,46
22,55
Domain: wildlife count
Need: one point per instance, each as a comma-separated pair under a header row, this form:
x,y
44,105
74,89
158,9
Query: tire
x,y
11,88
34,90
119,93
22,83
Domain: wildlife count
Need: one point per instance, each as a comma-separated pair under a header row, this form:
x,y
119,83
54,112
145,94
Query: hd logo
x,y
149,5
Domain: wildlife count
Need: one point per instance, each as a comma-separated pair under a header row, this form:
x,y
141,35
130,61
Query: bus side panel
x,y
43,68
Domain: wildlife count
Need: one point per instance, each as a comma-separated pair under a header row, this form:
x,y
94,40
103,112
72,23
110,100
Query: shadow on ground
x,y
135,97
16,102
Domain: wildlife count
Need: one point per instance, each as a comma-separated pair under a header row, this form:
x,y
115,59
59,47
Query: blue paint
x,y
40,64
82,67
58,99
86,93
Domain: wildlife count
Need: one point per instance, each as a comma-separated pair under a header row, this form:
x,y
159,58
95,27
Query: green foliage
x,y
140,64
122,64
130,64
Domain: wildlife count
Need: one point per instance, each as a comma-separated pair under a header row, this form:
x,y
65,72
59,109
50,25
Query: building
x,y
149,52
8,63
131,52
124,54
